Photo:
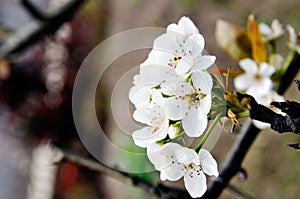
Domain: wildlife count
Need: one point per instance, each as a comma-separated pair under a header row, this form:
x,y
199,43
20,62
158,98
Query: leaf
x,y
233,39
259,52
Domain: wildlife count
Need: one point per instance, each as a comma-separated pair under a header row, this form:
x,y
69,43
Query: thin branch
x,y
35,12
241,146
98,166
237,191
32,32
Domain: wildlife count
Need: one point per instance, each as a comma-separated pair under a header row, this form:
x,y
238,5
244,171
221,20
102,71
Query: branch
x,y
247,136
35,30
159,190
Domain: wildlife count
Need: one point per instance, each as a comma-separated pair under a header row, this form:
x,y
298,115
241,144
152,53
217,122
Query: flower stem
x,y
176,137
286,65
272,46
209,130
288,60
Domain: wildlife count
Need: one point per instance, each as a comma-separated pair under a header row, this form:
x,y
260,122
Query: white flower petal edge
x,y
209,164
195,123
195,182
256,79
273,32
249,66
266,101
185,27
175,161
293,45
152,114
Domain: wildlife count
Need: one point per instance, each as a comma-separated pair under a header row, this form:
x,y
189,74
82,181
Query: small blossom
x,y
153,115
273,32
174,130
184,27
190,106
181,49
256,79
174,162
151,75
293,43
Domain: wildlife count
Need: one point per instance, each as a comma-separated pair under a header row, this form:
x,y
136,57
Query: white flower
x,y
273,32
174,130
181,48
190,106
266,100
184,27
174,162
153,115
293,39
256,79
150,76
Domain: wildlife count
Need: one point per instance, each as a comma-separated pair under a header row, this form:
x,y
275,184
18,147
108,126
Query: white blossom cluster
x,y
256,79
172,94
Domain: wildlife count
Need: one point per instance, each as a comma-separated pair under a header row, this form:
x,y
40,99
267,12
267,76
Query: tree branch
x,y
159,190
35,30
249,132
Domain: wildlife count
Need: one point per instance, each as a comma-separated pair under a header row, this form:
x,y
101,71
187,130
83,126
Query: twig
x,y
247,136
35,30
98,166
239,192
233,160
34,11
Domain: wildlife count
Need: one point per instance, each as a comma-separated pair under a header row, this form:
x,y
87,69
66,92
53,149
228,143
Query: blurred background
x,y
40,57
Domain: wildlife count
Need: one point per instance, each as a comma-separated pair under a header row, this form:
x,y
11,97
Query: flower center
x,y
257,77
173,62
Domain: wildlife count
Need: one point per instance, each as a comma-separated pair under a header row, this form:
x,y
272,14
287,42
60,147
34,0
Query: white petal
x,y
170,86
194,124
205,104
266,69
137,79
208,163
194,45
156,73
156,96
204,62
260,88
243,81
202,81
173,131
261,125
164,160
175,108
154,155
249,66
188,26
186,156
172,27
264,29
184,88
183,66
156,115
139,94
165,43
163,176
172,169
292,35
195,183
141,114
173,172
148,135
